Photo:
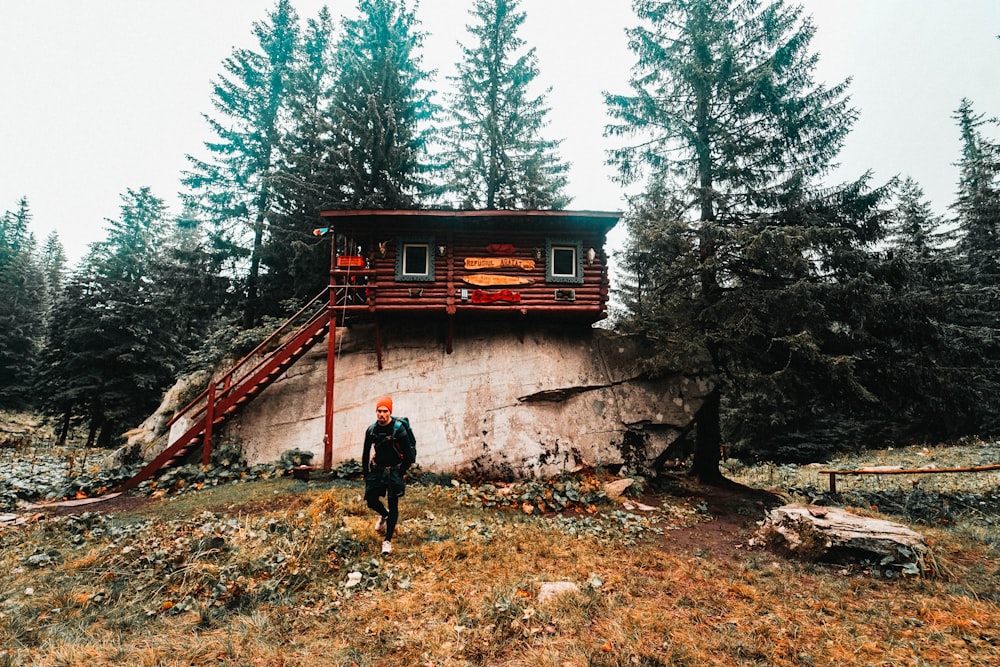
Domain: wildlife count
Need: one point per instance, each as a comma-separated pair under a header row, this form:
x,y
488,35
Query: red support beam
x,y
206,444
331,353
331,350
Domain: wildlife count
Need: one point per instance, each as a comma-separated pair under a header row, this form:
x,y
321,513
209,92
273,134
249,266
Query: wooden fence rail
x,y
886,470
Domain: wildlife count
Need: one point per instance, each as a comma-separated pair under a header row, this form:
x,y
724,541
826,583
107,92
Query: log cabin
x,y
451,263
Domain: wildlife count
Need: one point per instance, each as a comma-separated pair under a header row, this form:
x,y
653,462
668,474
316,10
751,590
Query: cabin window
x,y
414,259
564,261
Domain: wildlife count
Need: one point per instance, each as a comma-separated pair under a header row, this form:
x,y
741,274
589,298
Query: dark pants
x,y
385,482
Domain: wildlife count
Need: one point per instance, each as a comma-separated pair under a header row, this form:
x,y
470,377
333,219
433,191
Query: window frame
x,y
551,246
404,242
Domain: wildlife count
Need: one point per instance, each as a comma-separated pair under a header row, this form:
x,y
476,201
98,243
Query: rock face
x,y
835,535
143,442
504,404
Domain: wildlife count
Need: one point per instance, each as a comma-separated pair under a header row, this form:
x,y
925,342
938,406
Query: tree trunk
x,y
63,429
708,442
252,306
104,438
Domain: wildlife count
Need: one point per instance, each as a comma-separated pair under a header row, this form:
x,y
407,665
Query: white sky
x,y
104,95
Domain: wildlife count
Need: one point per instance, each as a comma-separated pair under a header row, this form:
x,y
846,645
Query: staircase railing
x,y
244,380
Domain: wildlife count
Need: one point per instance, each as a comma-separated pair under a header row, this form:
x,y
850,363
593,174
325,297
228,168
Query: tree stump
x,y
833,535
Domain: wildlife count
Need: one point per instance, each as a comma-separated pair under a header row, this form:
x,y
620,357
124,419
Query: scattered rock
x,y
551,589
616,488
637,507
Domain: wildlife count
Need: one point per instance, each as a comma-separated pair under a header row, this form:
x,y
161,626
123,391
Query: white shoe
x,y
386,548
380,525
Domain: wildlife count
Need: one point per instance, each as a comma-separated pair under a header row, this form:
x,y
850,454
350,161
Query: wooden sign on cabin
x,y
348,261
494,280
476,263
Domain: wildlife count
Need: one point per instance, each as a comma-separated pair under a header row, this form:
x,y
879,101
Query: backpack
x,y
405,446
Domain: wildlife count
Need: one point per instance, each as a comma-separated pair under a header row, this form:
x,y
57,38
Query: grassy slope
x,y
258,574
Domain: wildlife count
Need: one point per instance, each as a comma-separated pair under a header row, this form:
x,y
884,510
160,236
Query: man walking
x,y
389,451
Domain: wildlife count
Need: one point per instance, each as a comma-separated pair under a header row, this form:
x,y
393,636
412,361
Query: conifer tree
x,y
907,353
978,203
748,266
187,282
381,111
53,263
67,382
234,188
111,348
914,230
308,181
975,321
22,293
496,155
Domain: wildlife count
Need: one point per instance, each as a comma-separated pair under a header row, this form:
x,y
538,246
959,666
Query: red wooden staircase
x,y
241,384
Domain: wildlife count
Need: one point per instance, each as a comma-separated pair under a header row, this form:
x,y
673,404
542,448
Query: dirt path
x,y
735,511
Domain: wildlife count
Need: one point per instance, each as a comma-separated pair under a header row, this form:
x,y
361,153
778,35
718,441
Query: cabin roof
x,y
421,219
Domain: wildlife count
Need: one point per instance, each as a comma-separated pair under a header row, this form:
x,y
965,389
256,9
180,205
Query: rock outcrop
x,y
503,404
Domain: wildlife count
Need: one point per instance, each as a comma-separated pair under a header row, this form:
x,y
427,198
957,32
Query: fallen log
x,y
834,535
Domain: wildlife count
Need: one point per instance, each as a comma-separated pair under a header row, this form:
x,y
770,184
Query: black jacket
x,y
393,445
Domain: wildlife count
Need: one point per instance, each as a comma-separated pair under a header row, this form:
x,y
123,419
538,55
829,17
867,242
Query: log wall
x,y
382,293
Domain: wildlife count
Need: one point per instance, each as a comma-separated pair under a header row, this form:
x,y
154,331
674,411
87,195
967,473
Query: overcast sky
x,y
104,95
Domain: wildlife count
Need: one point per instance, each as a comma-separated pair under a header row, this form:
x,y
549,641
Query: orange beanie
x,y
386,401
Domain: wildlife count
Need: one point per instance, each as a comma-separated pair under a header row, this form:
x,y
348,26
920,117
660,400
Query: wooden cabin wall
x,y
591,295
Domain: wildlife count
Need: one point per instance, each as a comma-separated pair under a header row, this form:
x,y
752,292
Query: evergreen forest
x,y
830,316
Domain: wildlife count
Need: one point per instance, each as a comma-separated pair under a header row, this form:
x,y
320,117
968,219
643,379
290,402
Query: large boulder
x,y
146,441
505,403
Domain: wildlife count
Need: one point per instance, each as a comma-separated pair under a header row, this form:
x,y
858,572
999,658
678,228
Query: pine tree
x,y
497,158
235,189
915,231
187,282
111,348
748,266
978,204
53,262
975,317
381,111
308,181
22,294
907,353
68,381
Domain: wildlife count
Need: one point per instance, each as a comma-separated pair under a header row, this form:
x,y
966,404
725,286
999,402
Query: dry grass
x,y
258,574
